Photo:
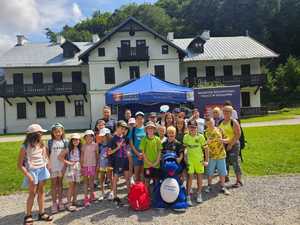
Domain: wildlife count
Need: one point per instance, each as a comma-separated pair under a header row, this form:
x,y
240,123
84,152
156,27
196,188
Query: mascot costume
x,y
169,192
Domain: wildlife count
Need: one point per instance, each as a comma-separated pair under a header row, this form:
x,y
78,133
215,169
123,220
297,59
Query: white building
x,y
66,82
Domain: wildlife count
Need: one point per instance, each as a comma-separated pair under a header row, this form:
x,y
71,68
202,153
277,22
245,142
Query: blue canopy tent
x,y
148,91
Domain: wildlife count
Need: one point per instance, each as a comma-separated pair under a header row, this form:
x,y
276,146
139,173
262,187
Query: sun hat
x,y
104,131
89,132
33,128
57,125
139,113
75,136
131,121
150,124
122,123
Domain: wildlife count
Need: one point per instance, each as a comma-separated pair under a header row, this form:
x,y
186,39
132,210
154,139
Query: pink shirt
x,y
89,152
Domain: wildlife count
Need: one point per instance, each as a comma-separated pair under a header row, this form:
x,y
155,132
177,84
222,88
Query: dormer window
x,y
197,45
165,49
69,49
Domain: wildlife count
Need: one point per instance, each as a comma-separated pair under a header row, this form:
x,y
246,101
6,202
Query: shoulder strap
x,y
50,143
132,135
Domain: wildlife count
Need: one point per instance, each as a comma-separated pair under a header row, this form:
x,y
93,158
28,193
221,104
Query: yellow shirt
x,y
215,145
227,129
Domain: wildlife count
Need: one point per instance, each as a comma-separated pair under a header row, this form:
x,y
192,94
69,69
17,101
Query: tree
x,y
50,35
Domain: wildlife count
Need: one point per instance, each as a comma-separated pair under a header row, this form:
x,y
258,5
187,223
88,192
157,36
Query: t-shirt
x,y
35,157
138,135
151,148
110,124
56,149
122,151
194,145
174,146
215,145
201,124
89,152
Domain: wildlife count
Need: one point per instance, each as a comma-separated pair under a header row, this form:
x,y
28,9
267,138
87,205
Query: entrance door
x,y
245,99
192,76
18,83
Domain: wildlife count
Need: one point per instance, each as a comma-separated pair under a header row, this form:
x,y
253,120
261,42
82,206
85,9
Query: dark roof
x,y
120,26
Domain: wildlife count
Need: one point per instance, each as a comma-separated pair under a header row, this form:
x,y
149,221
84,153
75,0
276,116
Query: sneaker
x,y
93,197
101,197
54,208
132,180
189,200
199,198
71,208
208,189
225,191
110,196
117,201
86,202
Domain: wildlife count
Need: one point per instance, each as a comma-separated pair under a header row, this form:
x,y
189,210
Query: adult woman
x,y
232,131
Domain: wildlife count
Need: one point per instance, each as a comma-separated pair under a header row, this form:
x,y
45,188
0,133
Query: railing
x,y
242,80
247,111
29,90
133,53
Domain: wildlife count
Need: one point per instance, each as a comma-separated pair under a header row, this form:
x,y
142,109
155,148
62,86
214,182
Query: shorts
x,y
88,171
105,169
38,175
137,162
153,173
219,164
120,165
73,173
55,174
195,167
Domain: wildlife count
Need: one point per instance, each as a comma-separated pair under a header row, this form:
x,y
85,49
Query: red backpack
x,y
139,197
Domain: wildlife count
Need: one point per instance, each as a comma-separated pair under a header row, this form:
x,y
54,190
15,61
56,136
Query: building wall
x,y
255,67
1,116
254,97
97,65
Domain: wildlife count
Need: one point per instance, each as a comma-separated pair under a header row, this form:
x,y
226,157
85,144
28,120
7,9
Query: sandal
x,y
71,208
236,185
28,220
45,217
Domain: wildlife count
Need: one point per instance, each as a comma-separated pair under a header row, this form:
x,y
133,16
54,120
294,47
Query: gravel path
x,y
263,201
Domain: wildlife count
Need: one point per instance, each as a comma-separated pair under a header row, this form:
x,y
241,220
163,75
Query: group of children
x,y
132,151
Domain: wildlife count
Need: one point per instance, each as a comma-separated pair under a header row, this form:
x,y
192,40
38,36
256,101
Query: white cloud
x,y
33,16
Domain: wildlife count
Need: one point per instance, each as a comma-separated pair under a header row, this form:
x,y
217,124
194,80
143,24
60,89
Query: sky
x,y
31,17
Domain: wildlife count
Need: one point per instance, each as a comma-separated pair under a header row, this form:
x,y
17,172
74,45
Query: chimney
x,y
20,40
95,38
170,36
60,39
205,35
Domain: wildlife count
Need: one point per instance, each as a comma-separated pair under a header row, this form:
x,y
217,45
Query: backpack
x,y
139,197
242,137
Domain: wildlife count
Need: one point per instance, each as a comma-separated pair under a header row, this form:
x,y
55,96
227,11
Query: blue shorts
x,y
219,164
38,175
136,161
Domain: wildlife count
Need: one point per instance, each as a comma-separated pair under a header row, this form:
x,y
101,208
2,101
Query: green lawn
x,y
285,113
269,151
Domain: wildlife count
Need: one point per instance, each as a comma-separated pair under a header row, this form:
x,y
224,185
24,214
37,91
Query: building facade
x,y
67,82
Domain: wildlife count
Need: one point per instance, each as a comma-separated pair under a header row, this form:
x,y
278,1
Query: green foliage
x,y
50,35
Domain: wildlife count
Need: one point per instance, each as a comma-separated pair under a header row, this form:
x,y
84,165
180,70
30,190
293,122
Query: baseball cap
x,y
33,128
75,136
150,124
57,125
164,108
139,113
89,132
122,123
176,110
104,131
192,123
131,121
152,114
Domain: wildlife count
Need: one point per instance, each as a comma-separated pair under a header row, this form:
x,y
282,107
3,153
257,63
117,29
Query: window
x,y
245,99
140,43
57,77
192,76
125,44
227,70
18,79
134,72
40,110
165,49
101,51
210,73
109,75
37,78
76,77
79,107
159,71
60,108
245,69
21,110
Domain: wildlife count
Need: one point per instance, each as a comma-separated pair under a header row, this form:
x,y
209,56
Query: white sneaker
x,y
225,191
132,180
110,196
208,189
101,197
189,200
199,198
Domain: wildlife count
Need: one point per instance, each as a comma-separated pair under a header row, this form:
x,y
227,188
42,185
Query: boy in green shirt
x,y
195,143
151,149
